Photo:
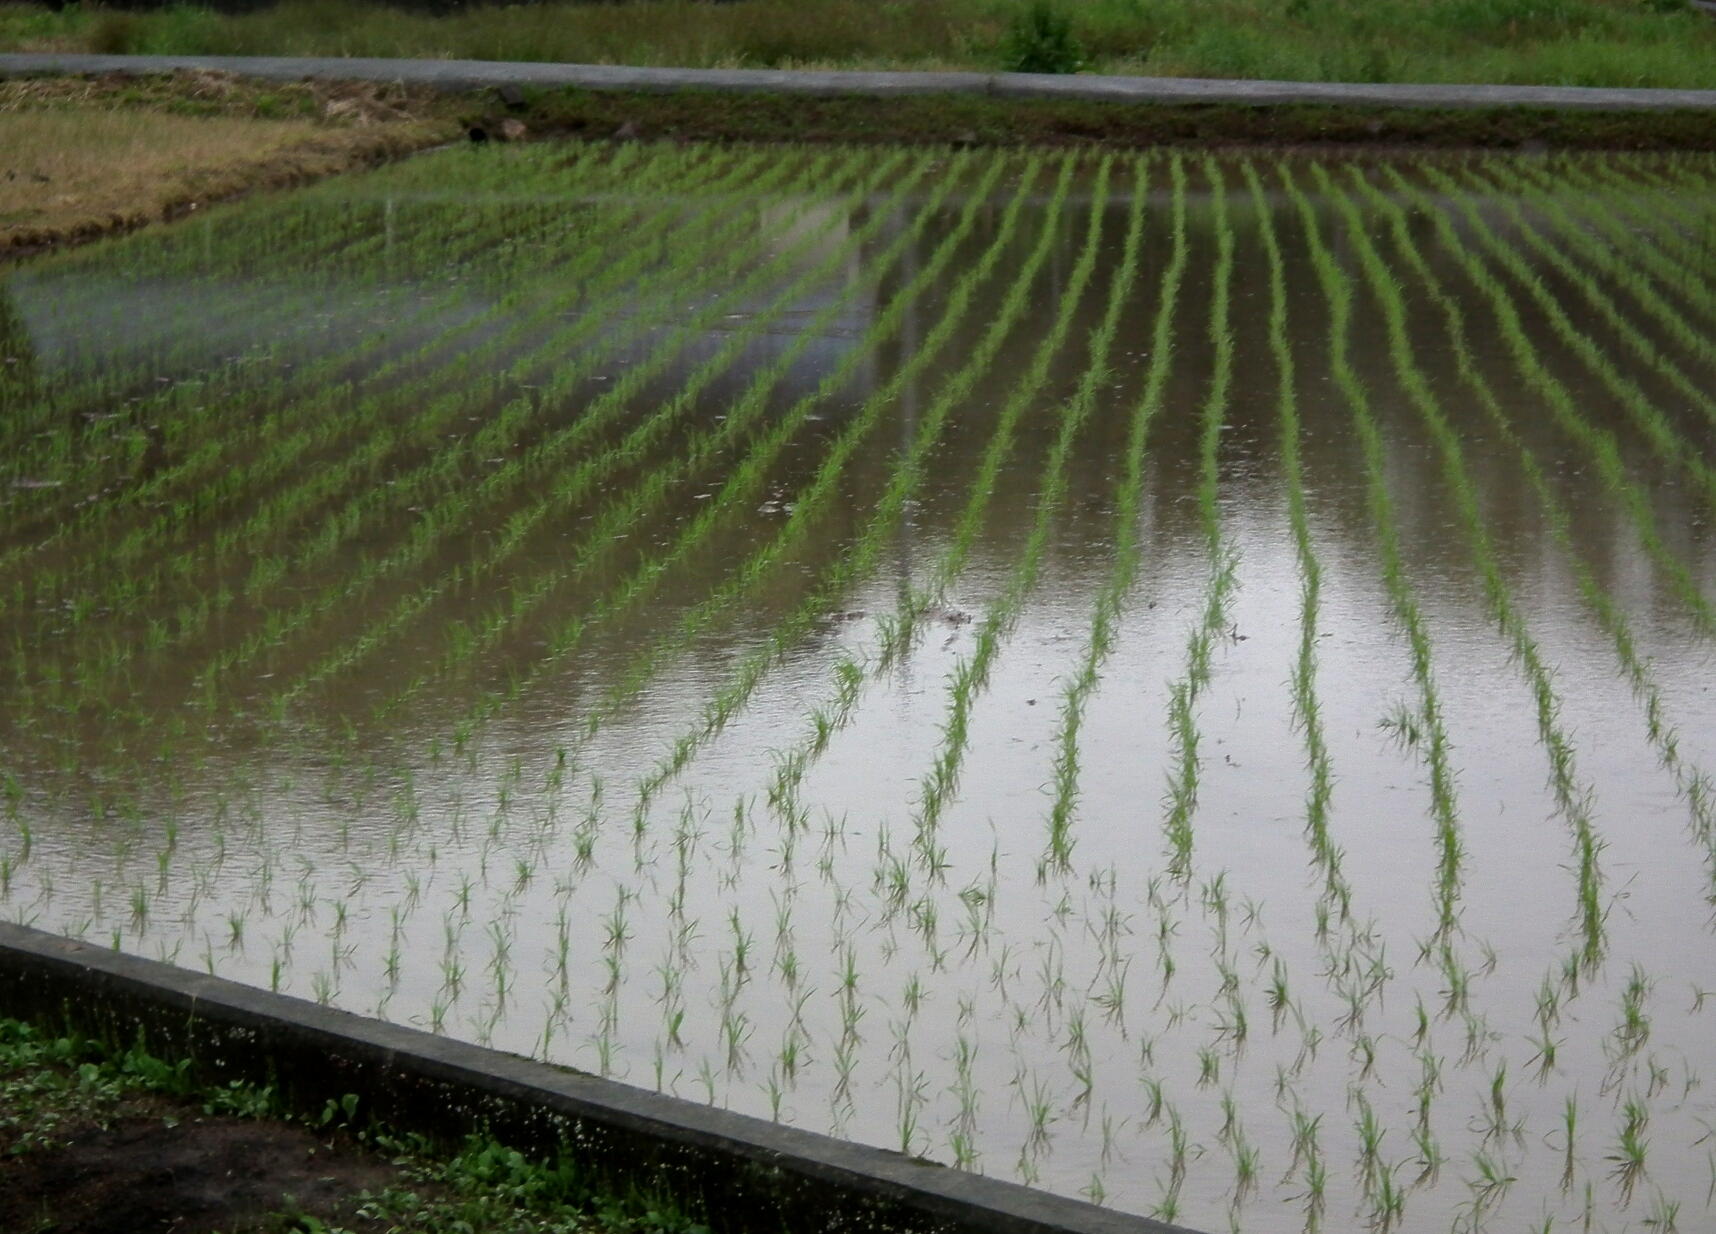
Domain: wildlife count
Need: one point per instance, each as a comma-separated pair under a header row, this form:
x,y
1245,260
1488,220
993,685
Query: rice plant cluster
x,y
1176,679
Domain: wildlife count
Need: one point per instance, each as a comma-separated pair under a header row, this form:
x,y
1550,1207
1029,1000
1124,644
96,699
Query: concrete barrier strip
x,y
464,75
747,1173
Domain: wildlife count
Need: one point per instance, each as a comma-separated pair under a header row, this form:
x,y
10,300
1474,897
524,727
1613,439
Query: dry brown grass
x,y
80,158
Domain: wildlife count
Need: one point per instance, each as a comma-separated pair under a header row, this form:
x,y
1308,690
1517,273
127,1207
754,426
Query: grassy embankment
x,y
1552,42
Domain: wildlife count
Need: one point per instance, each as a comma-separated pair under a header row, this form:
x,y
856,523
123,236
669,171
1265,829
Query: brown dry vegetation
x,y
80,158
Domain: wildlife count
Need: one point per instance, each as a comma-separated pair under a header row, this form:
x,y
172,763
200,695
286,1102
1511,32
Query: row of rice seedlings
x,y
316,425
1128,552
1600,445
403,490
971,673
454,509
1325,853
312,422
1423,729
258,568
281,306
1594,235
900,628
849,675
169,426
1572,796
861,556
698,447
325,378
80,381
1183,694
1666,217
1699,223
1644,167
1693,783
1559,250
1650,419
323,233
579,481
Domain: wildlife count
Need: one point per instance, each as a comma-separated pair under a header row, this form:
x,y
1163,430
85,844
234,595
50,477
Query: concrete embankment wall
x,y
743,1173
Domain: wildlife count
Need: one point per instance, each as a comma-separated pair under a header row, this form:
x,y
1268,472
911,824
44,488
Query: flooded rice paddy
x,y
1180,680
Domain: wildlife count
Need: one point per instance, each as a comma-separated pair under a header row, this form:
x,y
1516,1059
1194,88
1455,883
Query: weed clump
x,y
1041,40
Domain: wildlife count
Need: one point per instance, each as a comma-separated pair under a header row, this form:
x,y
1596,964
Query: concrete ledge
x,y
744,1172
464,75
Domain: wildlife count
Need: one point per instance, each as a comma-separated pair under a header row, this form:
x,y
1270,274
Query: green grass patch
x,y
1582,42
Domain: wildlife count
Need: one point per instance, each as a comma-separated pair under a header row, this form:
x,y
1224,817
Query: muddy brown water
x,y
410,781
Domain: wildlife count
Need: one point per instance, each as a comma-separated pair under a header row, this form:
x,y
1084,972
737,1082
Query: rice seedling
x,y
1630,1149
1571,795
1597,597
1223,565
409,643
1435,749
907,473
1601,444
1326,855
1127,550
973,672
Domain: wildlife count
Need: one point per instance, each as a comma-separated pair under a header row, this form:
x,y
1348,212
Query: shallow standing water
x,y
1180,680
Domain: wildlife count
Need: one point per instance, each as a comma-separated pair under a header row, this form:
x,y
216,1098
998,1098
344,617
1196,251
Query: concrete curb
x,y
745,1172
464,75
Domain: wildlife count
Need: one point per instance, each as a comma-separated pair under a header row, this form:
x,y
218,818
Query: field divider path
x,y
861,556
1695,785
468,75
1183,694
1573,796
617,515
597,415
269,459
1427,734
1599,443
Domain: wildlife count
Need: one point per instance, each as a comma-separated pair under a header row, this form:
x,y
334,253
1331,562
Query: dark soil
x,y
974,121
171,1168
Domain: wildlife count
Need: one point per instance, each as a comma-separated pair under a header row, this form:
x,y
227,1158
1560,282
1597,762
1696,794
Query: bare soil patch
x,y
149,1164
